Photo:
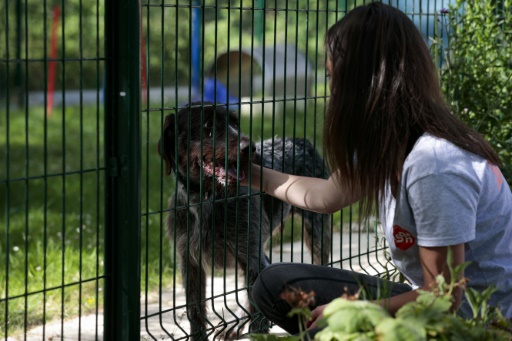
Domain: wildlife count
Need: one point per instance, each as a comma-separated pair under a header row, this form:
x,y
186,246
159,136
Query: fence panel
x,y
87,250
264,61
52,169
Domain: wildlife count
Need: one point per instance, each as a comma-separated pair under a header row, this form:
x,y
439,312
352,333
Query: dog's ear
x,y
166,144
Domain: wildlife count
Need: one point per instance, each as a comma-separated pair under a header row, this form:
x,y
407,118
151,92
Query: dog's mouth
x,y
218,171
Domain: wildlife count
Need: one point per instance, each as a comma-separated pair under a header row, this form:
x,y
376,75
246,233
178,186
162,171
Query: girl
x,y
396,148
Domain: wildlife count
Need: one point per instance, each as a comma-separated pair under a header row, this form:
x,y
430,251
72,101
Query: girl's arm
x,y
434,261
312,194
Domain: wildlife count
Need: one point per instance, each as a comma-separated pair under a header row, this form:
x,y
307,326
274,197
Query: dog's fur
x,y
212,220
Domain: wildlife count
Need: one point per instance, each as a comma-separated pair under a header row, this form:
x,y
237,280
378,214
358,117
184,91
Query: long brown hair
x,y
385,92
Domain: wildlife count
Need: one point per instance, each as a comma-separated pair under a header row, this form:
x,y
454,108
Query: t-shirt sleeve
x,y
444,208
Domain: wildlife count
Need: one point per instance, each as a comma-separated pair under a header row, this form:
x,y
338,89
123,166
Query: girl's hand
x,y
316,314
256,173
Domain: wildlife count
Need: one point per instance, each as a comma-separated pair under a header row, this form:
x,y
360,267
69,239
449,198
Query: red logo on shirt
x,y
497,174
403,239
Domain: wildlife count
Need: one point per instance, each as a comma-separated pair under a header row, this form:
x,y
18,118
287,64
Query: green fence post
x,y
123,155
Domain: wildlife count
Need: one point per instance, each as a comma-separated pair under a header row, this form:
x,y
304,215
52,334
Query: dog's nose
x,y
247,146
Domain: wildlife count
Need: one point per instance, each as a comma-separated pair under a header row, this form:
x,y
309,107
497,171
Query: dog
x,y
213,221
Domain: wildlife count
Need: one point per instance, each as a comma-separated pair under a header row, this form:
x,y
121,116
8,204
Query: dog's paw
x,y
228,332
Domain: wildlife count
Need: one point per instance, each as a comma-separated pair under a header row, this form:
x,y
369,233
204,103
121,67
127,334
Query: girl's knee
x,y
268,285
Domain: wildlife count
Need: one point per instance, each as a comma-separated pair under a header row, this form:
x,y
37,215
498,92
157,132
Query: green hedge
x,y
477,72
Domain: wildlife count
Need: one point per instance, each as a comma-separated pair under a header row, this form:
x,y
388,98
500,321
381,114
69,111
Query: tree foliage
x,y
168,34
226,25
477,74
26,28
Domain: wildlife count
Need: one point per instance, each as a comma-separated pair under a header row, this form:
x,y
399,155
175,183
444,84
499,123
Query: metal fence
x,y
53,170
265,60
85,88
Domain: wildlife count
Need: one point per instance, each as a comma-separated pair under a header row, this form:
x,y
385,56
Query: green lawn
x,y
51,194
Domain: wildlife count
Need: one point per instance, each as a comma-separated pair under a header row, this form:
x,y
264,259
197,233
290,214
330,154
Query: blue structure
x,y
215,91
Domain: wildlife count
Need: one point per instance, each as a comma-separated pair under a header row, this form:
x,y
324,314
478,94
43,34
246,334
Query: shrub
x,y
476,72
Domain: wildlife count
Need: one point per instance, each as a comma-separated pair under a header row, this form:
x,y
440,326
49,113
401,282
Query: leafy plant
x,y
429,317
300,302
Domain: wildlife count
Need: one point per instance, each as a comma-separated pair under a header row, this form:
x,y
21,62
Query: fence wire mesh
x,y
52,173
91,244
265,61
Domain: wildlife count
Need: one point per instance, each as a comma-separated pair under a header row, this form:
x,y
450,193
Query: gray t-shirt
x,y
449,196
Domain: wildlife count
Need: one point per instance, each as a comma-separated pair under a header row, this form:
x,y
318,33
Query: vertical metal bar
x,y
81,175
274,119
63,165
214,71
17,77
195,43
45,172
123,193
174,209
163,227
304,122
294,126
257,20
262,20
285,108
145,37
7,169
27,167
316,135
99,161
237,207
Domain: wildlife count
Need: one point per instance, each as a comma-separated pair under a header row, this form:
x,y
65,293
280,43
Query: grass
x,y
51,191
53,197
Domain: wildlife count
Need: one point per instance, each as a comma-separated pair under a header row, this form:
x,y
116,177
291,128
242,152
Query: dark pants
x,y
327,283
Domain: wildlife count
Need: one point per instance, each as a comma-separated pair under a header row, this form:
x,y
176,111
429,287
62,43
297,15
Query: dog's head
x,y
206,138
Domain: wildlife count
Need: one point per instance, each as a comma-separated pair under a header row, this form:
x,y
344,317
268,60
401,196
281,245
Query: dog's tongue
x,y
232,173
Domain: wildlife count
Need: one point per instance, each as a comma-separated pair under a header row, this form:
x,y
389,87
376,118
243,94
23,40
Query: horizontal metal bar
x,y
43,60
52,288
269,101
266,9
52,175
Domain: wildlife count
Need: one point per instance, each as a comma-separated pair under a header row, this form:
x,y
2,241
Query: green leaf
x,y
272,337
400,330
300,312
478,301
329,335
428,307
353,316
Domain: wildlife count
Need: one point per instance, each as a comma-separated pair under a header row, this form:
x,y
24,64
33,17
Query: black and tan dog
x,y
212,219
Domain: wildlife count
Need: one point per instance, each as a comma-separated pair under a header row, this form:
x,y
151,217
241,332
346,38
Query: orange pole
x,y
52,65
